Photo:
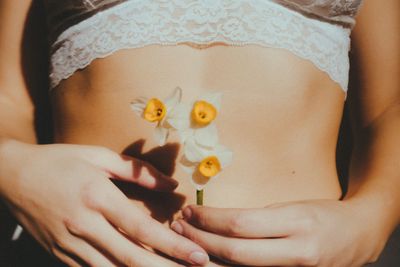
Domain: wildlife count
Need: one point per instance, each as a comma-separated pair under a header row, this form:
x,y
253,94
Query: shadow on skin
x,y
35,69
163,159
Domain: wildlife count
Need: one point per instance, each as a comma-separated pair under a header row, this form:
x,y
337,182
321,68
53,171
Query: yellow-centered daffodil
x,y
158,111
155,110
204,163
203,113
196,120
210,166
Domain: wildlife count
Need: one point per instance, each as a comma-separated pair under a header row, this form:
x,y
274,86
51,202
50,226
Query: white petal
x,y
179,117
187,166
172,100
188,170
185,134
161,135
213,98
224,155
193,152
138,105
207,136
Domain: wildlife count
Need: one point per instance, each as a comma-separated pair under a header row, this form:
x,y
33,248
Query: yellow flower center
x,y
209,166
154,111
203,112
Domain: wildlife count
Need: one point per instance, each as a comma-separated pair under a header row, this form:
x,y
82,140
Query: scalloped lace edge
x,y
324,44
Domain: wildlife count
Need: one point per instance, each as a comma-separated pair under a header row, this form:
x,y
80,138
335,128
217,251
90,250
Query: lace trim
x,y
138,23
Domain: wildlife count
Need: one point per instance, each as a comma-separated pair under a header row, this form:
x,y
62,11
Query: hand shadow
x,y
162,205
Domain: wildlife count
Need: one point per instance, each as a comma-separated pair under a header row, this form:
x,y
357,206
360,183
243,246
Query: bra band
x,y
138,23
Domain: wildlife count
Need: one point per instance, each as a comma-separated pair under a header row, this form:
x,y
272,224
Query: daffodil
x,y
204,164
197,120
203,157
158,111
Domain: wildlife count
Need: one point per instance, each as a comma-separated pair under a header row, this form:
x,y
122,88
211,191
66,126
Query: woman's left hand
x,y
303,233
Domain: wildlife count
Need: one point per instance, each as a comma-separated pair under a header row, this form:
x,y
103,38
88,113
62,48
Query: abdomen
x,y
280,115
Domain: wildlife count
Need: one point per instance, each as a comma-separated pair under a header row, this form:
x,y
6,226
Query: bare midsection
x,y
280,116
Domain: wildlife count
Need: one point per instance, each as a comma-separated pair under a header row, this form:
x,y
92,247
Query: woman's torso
x,y
280,117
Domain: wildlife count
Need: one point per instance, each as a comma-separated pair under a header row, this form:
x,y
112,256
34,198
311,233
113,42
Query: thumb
x,y
130,169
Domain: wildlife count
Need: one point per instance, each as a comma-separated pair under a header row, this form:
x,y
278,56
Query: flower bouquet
x,y
203,157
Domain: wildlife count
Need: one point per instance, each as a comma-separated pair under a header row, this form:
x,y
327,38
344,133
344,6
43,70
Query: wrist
x,y
371,223
378,201
9,151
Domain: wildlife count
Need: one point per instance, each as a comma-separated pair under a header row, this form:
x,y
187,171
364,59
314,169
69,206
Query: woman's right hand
x,y
63,197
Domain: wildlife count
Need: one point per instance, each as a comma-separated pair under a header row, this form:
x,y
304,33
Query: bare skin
x,y
280,116
282,131
309,233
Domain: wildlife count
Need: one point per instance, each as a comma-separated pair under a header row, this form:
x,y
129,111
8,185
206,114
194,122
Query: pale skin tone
x,y
306,233
84,229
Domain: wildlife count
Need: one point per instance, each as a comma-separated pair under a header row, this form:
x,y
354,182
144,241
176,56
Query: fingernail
x,y
187,213
177,227
198,258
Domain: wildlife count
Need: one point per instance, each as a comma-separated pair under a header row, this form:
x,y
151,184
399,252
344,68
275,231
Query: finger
x,y
65,259
248,223
145,229
254,252
86,252
102,235
130,169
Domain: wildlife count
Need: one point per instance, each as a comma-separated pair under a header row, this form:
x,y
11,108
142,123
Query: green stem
x,y
199,197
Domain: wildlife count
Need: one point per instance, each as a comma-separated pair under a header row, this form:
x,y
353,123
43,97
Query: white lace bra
x,y
105,26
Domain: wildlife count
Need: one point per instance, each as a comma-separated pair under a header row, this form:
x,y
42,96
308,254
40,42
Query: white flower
x,y
159,111
204,163
196,120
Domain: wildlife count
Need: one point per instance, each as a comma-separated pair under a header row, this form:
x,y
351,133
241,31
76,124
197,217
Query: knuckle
x,y
91,197
236,224
75,227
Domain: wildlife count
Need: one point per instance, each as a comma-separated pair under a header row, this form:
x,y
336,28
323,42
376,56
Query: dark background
x,y
21,253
